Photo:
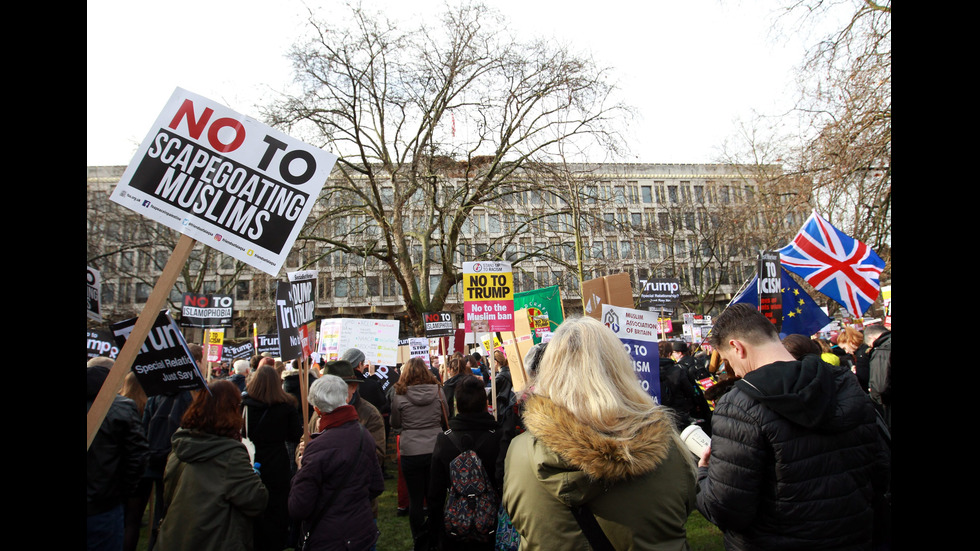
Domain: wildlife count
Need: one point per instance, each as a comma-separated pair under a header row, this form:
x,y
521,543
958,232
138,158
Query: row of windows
x,y
630,192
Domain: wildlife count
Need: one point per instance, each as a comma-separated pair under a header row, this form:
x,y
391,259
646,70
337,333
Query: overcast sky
x,y
692,68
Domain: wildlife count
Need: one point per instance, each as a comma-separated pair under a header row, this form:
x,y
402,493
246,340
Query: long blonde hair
x,y
586,370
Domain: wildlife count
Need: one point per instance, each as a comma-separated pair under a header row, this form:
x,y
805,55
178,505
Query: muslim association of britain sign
x,y
225,179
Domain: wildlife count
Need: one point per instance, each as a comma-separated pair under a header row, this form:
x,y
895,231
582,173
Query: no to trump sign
x,y
225,179
488,295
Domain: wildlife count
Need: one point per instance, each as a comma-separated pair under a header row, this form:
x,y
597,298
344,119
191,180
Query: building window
x,y
340,288
242,290
647,194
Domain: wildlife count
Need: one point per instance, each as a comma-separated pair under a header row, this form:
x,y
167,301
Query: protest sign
x,y
516,345
100,343
302,287
439,324
213,175
769,288
164,363
377,339
93,291
206,310
225,179
637,329
238,350
418,347
613,289
268,344
216,338
307,337
488,295
659,293
290,342
544,310
329,346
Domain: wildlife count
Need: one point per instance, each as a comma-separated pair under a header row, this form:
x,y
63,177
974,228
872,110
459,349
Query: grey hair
x,y
101,361
328,393
241,367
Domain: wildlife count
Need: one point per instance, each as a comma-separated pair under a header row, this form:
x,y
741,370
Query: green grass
x,y
397,536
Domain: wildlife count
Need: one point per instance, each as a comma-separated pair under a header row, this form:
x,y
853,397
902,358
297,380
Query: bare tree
x,y
432,125
845,104
131,250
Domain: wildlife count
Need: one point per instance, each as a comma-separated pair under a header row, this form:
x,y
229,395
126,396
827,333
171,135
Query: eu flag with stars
x,y
800,313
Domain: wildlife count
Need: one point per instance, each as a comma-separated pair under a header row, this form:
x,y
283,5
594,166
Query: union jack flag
x,y
835,264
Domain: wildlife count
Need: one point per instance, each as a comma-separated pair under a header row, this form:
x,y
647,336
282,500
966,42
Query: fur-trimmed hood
x,y
598,455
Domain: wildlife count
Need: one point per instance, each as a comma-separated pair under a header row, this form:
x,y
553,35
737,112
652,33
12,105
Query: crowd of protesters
x,y
799,455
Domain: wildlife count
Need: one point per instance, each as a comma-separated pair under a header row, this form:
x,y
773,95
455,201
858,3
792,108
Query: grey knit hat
x,y
354,356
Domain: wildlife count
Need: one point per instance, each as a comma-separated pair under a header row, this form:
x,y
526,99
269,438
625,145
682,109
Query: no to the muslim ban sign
x,y
225,179
164,364
488,296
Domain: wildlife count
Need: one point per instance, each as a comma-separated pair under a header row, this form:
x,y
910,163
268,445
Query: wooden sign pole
x,y
304,392
124,360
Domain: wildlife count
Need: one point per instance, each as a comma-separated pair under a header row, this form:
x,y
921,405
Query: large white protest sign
x,y
637,329
225,179
377,339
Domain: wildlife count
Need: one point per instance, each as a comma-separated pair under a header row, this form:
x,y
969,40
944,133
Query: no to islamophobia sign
x,y
206,310
225,179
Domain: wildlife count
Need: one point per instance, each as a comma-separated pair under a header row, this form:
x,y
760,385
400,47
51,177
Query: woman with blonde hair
x,y
596,446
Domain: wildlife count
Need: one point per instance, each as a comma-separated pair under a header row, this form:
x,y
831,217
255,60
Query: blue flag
x,y
800,313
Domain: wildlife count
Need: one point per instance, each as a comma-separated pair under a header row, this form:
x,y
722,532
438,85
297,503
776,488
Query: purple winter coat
x,y
348,523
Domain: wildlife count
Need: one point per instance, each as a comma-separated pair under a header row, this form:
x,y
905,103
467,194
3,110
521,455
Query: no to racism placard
x,y
225,179
769,288
637,329
488,295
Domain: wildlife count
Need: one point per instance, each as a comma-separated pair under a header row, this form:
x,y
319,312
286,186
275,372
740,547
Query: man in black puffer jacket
x,y
795,454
